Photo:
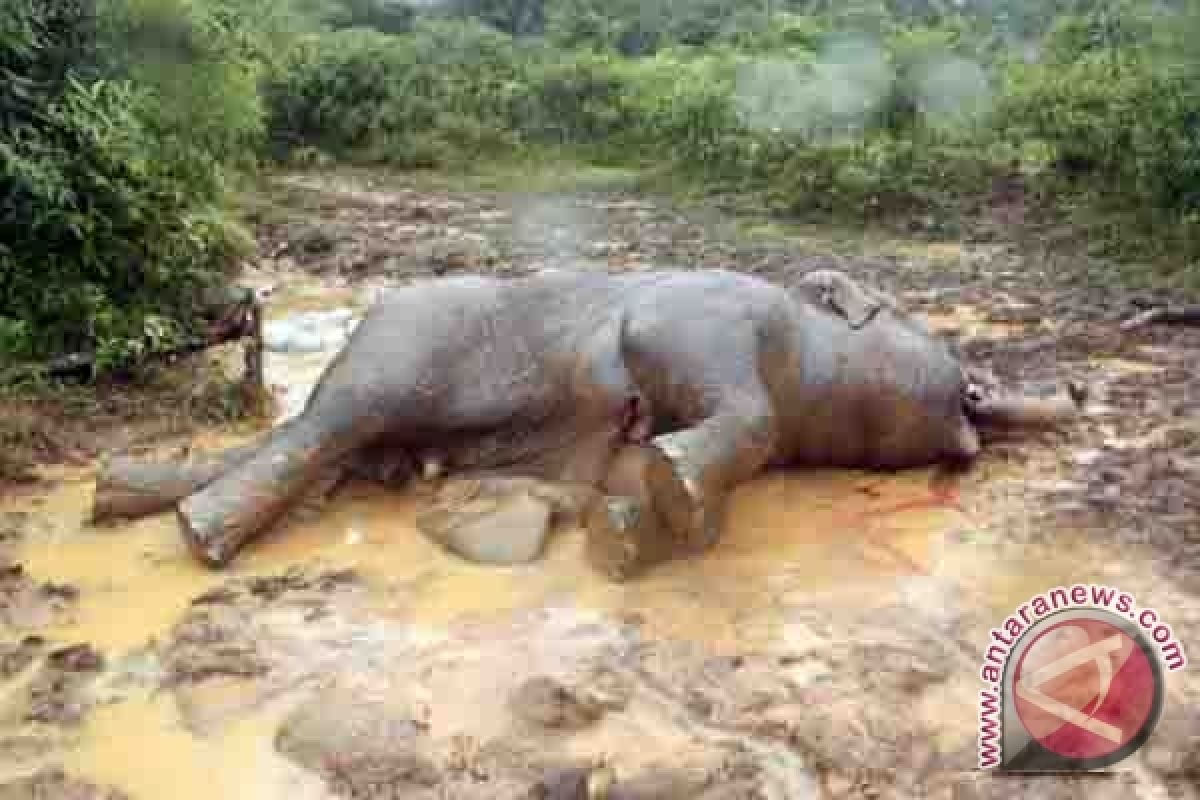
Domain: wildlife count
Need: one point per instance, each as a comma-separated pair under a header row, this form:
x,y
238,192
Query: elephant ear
x,y
854,303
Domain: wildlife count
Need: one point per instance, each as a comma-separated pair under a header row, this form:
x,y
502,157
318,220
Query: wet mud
x,y
828,646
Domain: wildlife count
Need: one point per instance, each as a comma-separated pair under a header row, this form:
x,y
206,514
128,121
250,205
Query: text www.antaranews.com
x,y
1058,599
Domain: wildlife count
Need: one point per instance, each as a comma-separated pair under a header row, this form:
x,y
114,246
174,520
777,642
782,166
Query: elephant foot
x,y
492,526
693,524
624,537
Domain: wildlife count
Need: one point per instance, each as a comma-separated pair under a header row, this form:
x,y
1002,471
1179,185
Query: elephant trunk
x,y
1010,410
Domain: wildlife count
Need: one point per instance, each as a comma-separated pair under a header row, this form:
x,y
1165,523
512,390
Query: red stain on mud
x,y
942,494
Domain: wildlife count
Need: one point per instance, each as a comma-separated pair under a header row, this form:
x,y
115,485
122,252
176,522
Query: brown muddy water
x,y
446,641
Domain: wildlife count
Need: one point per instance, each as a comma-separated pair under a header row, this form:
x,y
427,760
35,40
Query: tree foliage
x,y
124,123
113,170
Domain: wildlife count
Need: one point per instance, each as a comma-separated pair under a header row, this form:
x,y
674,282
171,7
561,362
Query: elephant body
x,y
711,376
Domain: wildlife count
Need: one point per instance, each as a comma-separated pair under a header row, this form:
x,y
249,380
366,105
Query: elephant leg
x,y
675,502
624,534
130,488
705,377
692,471
217,520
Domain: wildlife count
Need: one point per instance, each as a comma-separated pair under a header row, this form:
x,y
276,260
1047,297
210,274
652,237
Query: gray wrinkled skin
x,y
489,373
713,374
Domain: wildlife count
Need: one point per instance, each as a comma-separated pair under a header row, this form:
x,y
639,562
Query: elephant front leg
x,y
693,471
623,533
675,504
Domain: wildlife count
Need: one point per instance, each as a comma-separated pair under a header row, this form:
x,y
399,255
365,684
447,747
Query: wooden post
x,y
254,384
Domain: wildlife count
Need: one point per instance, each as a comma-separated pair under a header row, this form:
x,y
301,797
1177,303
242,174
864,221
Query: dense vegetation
x,y
126,124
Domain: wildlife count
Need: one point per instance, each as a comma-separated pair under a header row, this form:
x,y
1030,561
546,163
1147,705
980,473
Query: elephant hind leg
x,y
130,488
219,518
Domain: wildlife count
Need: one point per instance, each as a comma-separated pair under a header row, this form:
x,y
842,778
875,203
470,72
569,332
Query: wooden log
x,y
129,488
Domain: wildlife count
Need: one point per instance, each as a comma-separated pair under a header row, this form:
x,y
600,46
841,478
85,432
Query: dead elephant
x,y
634,401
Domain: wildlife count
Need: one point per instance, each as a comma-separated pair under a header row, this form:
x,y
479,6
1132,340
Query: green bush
x,y
125,123
1129,128
113,176
446,89
575,100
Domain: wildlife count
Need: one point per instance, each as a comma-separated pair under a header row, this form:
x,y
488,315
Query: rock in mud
x,y
220,636
547,704
363,751
58,692
55,784
498,529
15,657
27,604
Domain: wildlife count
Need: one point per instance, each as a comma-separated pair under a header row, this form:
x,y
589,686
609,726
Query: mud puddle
x,y
838,542
451,644
826,542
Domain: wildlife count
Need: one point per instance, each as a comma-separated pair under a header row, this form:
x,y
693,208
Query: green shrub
x,y
447,87
124,123
1124,124
113,177
575,100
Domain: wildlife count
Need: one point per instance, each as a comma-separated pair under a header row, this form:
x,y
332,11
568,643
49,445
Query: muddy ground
x,y
828,647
